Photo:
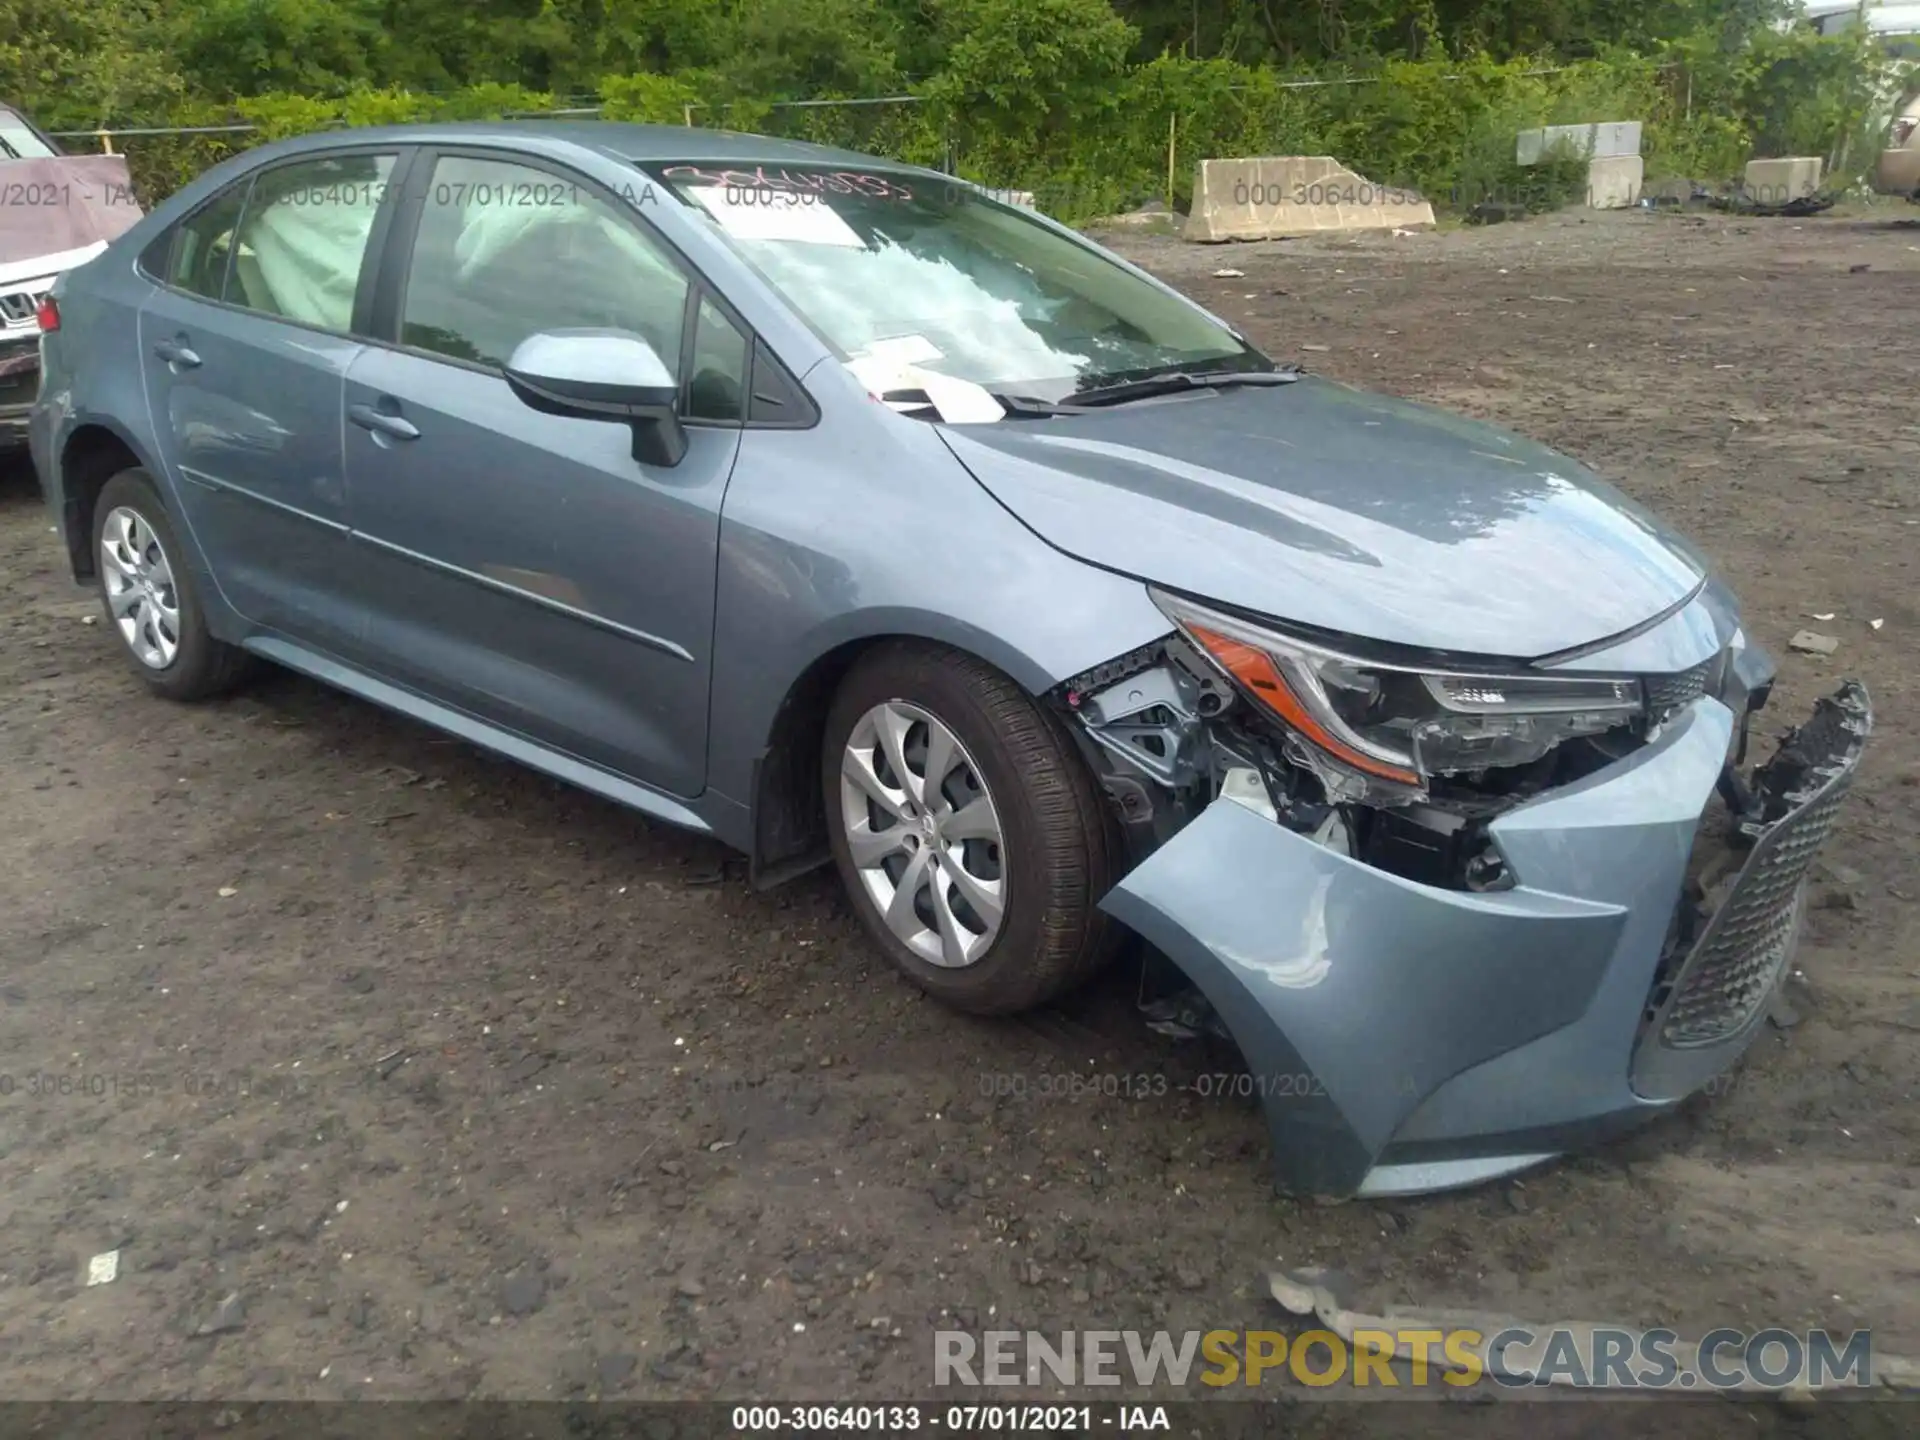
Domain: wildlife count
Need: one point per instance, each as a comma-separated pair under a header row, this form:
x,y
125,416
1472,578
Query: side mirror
x,y
603,375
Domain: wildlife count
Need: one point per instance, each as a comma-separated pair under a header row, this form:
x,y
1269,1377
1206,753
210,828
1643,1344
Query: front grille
x,y
1668,693
1733,967
20,307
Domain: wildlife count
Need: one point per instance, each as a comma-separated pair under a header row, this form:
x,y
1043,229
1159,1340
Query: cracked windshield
x,y
904,275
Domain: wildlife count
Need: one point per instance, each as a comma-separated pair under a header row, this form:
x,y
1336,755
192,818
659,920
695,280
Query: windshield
x,y
900,273
18,140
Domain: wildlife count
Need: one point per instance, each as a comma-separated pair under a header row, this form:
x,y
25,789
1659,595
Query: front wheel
x,y
970,835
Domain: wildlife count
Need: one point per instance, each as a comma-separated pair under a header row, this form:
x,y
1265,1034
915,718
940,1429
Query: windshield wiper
x,y
1027,407
1018,407
1175,381
1024,407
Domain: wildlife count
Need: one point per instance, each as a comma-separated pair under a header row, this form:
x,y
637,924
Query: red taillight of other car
x,y
48,315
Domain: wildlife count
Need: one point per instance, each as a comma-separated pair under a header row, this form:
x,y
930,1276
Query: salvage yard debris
x,y
230,1314
1812,642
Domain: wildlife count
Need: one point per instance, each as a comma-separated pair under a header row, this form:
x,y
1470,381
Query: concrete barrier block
x,y
1279,195
1782,181
1613,183
1602,141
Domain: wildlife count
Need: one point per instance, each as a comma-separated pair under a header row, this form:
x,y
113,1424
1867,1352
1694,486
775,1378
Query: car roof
x,y
639,144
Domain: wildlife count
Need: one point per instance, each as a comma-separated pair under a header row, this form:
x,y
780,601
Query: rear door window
x,y
194,257
302,240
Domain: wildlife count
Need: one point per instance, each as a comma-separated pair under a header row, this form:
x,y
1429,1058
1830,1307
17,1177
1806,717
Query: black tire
x,y
201,667
1060,848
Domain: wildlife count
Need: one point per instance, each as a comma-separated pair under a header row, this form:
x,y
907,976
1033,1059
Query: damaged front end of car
x,y
1460,917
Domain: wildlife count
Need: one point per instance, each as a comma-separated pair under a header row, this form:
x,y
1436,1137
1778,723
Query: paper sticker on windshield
x,y
812,182
904,349
891,377
756,212
960,402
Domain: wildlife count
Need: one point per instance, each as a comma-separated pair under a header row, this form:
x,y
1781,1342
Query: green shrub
x,y
1046,95
1556,180
649,99
1026,83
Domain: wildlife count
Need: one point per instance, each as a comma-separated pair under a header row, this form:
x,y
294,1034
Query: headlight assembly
x,y
1400,724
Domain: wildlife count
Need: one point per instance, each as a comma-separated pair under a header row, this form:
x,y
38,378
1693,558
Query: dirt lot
x,y
469,1085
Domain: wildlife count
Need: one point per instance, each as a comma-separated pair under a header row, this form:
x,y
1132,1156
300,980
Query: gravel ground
x,y
469,1085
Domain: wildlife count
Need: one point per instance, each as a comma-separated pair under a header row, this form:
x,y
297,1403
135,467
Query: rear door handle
x,y
176,354
380,422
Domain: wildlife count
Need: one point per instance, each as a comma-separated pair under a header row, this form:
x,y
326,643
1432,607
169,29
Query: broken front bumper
x,y
19,383
1405,1038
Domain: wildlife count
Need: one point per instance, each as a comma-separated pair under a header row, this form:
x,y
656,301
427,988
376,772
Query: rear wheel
x,y
149,594
970,835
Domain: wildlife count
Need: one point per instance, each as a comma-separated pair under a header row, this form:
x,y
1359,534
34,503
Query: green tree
x,y
75,67
660,35
803,49
1022,76
249,47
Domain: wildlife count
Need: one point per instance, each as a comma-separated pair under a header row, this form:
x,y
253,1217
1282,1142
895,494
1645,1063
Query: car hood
x,y
1344,510
45,267
72,202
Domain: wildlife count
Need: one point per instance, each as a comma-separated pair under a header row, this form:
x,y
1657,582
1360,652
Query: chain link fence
x,y
1148,150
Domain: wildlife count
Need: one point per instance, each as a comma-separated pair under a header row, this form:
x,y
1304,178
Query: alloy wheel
x,y
141,594
923,833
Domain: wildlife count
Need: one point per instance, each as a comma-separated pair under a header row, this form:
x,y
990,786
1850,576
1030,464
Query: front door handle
x,y
176,354
380,422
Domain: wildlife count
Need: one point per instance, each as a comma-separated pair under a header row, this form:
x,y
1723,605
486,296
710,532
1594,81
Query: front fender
x,y
866,527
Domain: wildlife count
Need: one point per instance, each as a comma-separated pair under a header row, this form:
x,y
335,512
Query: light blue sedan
x,y
838,510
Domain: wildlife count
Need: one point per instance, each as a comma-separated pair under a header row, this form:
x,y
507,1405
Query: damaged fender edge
x,y
1352,993
1355,994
